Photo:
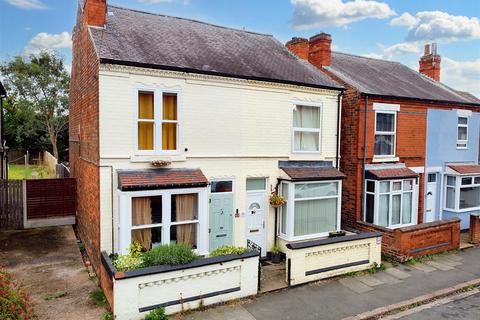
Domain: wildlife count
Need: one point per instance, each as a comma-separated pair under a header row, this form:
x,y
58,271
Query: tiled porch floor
x,y
273,277
465,240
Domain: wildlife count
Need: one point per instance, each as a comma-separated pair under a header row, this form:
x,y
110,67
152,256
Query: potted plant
x,y
276,254
276,200
333,234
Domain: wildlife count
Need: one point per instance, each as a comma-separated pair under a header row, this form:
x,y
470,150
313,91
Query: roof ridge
x,y
369,58
188,19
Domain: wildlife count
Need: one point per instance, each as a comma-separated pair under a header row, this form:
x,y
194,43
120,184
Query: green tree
x,y
37,89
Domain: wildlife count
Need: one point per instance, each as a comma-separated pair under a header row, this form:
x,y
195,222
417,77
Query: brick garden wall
x,y
475,229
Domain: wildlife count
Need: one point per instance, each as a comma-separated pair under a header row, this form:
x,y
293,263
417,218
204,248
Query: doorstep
x,y
273,277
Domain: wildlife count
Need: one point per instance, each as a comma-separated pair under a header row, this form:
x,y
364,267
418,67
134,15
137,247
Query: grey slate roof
x,y
159,41
389,78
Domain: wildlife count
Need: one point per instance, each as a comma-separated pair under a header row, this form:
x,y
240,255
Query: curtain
x,y
383,209
396,202
306,117
306,141
186,209
169,130
407,207
315,216
284,209
142,215
145,129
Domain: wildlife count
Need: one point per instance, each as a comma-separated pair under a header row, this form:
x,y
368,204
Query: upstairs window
x,y
306,129
157,127
462,132
385,133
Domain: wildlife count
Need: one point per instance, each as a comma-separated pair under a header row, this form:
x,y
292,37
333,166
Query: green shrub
x,y
224,250
14,301
130,261
98,298
157,314
107,316
172,254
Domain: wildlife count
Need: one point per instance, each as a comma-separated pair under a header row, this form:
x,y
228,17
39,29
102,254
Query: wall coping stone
x,y
327,241
430,224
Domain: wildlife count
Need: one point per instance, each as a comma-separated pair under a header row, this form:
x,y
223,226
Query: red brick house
x,y
384,142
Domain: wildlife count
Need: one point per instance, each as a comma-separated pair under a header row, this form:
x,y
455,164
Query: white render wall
x,y
233,129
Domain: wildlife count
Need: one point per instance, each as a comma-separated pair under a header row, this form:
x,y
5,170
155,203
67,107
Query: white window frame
x,y
386,133
462,144
158,120
392,192
125,216
300,129
257,178
458,187
289,235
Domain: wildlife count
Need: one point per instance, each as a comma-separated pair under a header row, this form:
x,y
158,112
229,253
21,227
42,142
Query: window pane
x,y
462,133
221,186
407,208
462,120
313,190
184,207
450,198
306,117
396,202
408,185
466,181
384,186
477,180
169,136
306,141
148,238
145,105
146,210
184,233
315,216
469,197
432,177
383,209
397,185
256,184
450,181
384,144
169,106
283,211
369,212
385,122
370,186
145,136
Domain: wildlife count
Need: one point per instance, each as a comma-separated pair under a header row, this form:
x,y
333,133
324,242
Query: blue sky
x,y
387,29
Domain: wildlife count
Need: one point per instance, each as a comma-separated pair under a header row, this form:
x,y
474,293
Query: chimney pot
x,y
430,62
94,12
426,52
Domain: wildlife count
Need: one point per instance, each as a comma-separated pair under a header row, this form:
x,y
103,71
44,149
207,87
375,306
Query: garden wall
x,y
176,288
318,259
475,228
405,243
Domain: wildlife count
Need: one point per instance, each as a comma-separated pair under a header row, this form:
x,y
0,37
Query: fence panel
x,y
11,204
51,198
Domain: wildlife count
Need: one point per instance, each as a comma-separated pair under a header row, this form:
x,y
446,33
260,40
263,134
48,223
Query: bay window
x,y
312,209
306,128
390,203
385,133
462,193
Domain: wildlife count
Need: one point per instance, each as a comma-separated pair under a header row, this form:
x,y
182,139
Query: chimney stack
x,y
317,50
95,12
430,62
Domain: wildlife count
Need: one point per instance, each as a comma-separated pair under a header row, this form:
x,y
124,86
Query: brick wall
x,y
475,229
84,130
405,243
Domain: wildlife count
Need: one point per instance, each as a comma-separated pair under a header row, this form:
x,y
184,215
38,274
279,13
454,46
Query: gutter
x,y
364,157
472,104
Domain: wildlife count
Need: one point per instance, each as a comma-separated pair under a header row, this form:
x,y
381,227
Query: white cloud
x,y
400,48
461,75
154,1
438,26
27,4
47,41
321,13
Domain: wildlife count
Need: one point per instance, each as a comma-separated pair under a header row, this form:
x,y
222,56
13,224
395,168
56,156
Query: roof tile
x,y
160,178
391,173
466,169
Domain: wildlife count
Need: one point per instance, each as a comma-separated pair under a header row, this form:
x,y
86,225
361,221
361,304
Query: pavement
x,y
48,264
349,296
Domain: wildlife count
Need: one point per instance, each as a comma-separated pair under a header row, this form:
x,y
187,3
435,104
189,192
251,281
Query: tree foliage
x,y
37,102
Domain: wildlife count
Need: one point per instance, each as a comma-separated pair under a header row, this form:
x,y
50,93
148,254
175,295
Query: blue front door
x,y
221,219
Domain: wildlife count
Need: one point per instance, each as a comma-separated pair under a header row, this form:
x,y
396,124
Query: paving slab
x,y
397,273
386,278
455,257
449,262
424,267
355,285
439,265
236,312
369,280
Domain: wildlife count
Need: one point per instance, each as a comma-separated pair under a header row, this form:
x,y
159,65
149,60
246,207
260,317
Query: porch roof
x,y
466,168
164,178
310,170
391,173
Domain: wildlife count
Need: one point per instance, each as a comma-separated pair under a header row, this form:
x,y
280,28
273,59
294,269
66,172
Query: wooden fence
x,y
11,204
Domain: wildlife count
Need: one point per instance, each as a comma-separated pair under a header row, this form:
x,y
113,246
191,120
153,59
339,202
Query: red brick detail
x,y
320,52
430,64
313,173
393,173
403,244
160,178
466,169
95,12
106,283
299,47
475,229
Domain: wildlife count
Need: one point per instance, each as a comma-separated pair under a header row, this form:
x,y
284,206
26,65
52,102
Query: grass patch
x,y
98,298
157,314
107,316
18,172
59,294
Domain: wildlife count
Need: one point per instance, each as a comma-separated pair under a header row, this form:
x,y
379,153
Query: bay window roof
x,y
391,173
466,168
310,170
163,178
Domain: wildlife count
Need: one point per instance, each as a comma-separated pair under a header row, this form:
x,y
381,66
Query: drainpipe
x,y
337,156
276,215
364,156
112,200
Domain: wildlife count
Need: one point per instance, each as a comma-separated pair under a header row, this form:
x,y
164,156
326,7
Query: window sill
x,y
460,211
385,159
152,157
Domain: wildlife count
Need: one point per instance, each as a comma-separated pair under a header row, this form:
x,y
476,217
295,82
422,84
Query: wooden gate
x,y
11,204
